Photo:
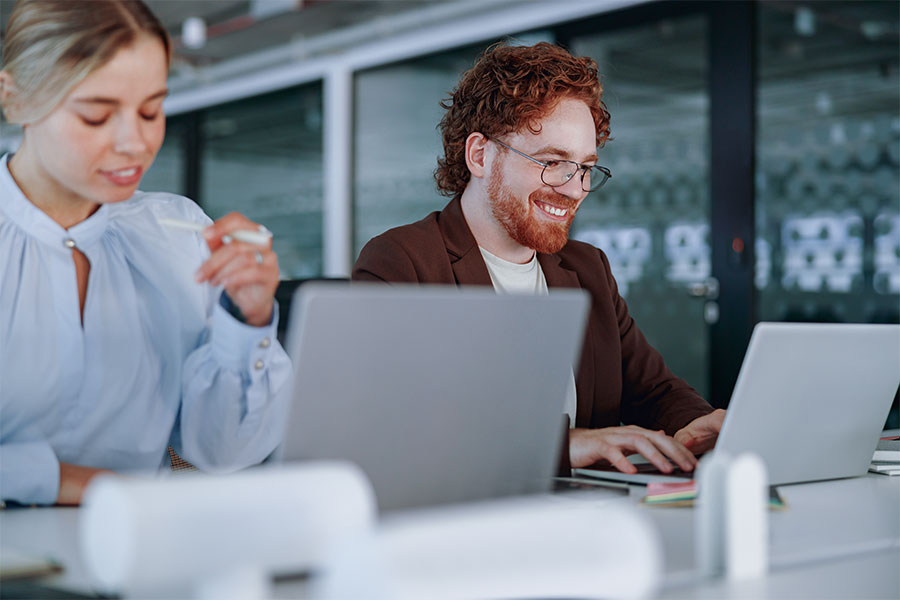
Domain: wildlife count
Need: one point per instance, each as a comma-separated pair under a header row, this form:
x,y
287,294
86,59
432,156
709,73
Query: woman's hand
x,y
73,479
249,272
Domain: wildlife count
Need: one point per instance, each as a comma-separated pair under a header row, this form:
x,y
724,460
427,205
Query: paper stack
x,y
886,460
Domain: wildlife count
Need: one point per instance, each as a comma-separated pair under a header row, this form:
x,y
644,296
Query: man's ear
x,y
476,148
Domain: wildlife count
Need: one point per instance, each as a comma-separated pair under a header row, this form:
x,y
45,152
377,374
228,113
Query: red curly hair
x,y
511,87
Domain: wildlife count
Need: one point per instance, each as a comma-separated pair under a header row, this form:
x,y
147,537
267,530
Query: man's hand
x,y
73,479
700,435
587,446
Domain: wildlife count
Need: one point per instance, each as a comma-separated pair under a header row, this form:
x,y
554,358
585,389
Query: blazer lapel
x,y
465,257
558,275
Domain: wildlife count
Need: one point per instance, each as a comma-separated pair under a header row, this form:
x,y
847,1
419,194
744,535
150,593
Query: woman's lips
x,y
126,176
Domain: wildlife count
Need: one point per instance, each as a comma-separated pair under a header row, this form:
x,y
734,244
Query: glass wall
x,y
263,157
652,217
10,136
828,162
396,140
168,171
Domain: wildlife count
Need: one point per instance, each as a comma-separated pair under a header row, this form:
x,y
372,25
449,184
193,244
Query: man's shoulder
x,y
412,235
576,253
589,263
409,253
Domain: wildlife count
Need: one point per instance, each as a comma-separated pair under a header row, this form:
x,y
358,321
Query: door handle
x,y
708,289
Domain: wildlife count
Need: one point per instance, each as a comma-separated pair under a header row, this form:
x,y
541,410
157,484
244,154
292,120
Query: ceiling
x,y
240,27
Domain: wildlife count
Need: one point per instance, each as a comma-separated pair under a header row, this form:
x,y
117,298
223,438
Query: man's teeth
x,y
559,212
125,172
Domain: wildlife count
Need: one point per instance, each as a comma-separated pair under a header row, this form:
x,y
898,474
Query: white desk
x,y
837,539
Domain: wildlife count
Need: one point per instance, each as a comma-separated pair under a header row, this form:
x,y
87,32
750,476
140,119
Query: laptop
x,y
441,394
810,400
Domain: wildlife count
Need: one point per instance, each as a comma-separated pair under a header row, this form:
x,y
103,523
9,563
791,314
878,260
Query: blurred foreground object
x,y
732,526
205,536
521,548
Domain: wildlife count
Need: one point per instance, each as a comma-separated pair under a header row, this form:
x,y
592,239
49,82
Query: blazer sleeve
x,y
652,396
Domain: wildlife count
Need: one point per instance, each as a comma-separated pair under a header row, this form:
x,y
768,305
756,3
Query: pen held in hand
x,y
258,238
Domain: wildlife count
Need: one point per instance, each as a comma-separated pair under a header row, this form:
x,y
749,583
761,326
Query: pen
x,y
259,238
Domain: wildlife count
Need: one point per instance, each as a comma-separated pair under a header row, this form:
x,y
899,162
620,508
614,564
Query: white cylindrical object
x,y
175,535
746,515
519,548
709,522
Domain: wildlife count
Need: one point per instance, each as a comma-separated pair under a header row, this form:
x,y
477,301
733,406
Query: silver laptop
x,y
440,394
810,400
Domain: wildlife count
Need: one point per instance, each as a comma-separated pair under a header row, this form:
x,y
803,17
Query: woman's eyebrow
x,y
114,101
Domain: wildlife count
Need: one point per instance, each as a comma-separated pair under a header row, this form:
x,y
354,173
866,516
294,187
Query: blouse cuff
x,y
240,347
29,472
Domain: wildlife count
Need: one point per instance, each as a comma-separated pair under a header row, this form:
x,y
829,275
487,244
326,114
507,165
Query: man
x,y
520,137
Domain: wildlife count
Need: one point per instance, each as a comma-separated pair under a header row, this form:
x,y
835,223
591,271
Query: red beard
x,y
520,222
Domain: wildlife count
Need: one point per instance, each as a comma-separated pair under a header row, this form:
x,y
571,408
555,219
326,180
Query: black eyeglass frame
x,y
579,167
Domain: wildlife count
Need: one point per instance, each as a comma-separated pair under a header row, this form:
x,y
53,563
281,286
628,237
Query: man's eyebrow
x,y
113,101
562,153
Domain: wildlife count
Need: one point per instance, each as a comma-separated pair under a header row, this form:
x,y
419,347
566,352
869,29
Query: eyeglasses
x,y
560,172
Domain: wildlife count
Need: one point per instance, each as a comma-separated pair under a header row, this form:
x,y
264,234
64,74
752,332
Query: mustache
x,y
554,198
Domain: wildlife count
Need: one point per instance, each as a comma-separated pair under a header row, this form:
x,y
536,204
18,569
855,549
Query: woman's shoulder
x,y
158,205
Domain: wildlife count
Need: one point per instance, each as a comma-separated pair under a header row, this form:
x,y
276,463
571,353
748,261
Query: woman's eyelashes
x,y
91,122
94,122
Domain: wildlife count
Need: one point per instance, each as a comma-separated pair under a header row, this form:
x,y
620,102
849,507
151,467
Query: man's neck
x,y
489,234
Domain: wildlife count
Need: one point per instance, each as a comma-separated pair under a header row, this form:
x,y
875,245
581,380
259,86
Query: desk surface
x,y
837,539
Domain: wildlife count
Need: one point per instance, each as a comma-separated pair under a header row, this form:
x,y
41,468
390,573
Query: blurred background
x,y
755,159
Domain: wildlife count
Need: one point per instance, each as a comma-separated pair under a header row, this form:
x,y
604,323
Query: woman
x,y
118,337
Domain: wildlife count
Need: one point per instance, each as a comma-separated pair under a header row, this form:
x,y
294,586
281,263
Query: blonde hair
x,y
52,45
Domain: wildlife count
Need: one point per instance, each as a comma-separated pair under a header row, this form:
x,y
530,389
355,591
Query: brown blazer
x,y
621,378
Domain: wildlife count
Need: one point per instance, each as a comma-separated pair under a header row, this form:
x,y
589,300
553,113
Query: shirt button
x,y
69,243
258,365
265,343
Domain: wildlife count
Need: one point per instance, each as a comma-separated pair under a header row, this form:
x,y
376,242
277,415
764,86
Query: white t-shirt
x,y
513,278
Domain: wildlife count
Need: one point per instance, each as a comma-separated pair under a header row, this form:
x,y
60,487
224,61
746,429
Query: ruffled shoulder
x,y
158,205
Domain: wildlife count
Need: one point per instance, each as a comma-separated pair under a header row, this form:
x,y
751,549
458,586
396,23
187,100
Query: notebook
x,y
810,400
441,394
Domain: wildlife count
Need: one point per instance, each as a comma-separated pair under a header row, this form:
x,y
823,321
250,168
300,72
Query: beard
x,y
520,222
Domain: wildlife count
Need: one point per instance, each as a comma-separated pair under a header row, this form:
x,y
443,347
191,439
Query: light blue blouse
x,y
158,360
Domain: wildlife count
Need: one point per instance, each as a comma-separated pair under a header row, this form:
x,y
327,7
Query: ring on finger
x,y
258,257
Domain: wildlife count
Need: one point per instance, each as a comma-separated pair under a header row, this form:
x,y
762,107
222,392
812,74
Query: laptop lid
x,y
440,394
811,398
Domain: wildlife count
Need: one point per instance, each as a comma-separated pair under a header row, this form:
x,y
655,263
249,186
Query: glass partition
x,y
828,162
263,157
167,174
397,142
652,217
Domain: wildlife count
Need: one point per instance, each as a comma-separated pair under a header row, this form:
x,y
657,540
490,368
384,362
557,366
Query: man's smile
x,y
557,213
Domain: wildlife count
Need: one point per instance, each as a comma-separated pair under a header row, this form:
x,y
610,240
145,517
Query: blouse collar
x,y
38,224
